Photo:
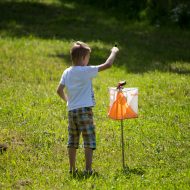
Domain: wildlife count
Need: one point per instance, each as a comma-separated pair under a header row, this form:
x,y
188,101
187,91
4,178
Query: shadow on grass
x,y
127,172
143,48
65,21
136,171
98,56
81,176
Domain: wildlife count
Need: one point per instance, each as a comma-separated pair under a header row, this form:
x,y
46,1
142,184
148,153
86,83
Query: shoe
x,y
73,172
3,148
89,173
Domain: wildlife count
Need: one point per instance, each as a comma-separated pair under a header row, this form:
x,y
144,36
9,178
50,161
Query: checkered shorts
x,y
81,121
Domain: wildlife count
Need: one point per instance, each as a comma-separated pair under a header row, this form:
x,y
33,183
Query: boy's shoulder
x,y
67,70
80,69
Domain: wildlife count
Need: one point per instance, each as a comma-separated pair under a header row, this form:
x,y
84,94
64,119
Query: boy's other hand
x,y
115,50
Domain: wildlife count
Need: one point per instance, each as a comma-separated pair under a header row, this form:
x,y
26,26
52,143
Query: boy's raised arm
x,y
109,60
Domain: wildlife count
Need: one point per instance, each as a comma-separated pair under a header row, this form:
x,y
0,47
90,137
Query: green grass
x,y
35,39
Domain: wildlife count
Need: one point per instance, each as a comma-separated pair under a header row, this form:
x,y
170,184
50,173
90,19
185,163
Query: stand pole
x,y
122,143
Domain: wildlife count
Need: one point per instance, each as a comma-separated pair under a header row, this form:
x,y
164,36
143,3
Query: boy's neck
x,y
79,64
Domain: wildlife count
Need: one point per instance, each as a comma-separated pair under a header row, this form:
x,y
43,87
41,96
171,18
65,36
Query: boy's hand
x,y
109,60
115,50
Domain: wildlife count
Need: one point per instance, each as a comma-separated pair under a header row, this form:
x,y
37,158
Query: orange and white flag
x,y
123,104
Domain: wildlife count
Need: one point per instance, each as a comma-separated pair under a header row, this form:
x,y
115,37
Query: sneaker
x,y
73,172
3,148
89,173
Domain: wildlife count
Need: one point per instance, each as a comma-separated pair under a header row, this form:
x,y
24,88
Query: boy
x,y
80,99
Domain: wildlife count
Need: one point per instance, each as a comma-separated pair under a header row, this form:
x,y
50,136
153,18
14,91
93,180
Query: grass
x,y
35,39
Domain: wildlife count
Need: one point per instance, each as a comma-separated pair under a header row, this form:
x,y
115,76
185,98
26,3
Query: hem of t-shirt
x,y
81,106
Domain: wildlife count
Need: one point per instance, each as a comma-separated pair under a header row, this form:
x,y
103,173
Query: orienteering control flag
x,y
123,103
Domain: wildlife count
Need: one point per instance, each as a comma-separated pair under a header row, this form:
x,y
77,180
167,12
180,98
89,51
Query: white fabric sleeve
x,y
90,71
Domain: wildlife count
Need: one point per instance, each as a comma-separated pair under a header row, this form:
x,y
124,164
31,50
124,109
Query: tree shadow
x,y
98,56
19,19
143,48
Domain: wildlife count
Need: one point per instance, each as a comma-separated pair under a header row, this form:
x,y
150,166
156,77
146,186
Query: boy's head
x,y
80,53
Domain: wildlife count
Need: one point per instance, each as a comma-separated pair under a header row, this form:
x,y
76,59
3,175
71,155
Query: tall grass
x,y
34,51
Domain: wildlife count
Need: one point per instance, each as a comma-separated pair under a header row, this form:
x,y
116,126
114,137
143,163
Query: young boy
x,y
80,99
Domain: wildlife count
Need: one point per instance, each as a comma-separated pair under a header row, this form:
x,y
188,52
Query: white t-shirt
x,y
78,81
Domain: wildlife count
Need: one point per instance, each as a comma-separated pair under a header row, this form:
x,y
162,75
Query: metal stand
x,y
125,167
122,144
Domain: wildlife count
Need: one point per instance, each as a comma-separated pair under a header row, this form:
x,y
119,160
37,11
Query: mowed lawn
x,y
35,39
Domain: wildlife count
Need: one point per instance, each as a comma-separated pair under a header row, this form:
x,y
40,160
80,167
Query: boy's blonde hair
x,y
79,51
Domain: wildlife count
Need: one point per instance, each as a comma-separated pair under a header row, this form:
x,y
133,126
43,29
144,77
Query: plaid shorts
x,y
81,121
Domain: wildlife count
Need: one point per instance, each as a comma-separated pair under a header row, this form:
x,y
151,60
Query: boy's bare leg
x,y
88,158
72,158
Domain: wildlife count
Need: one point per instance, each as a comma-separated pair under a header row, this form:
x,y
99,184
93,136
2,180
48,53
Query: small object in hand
x,y
3,147
115,45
